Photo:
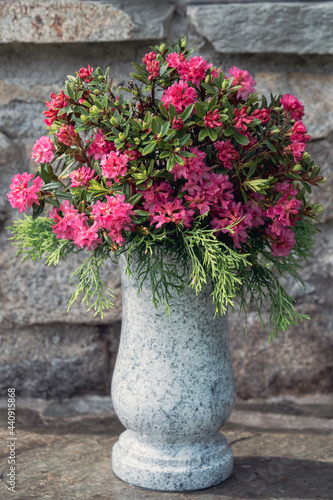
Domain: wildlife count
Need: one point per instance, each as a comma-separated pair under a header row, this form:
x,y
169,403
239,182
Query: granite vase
x,y
172,388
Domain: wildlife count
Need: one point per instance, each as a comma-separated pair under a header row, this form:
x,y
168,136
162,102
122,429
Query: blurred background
x,y
48,353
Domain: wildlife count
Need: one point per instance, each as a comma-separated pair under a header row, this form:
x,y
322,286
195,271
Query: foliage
x,y
186,162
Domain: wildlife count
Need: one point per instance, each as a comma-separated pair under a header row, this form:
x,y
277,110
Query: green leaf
x,y
202,134
187,112
213,134
229,131
240,138
149,148
200,110
134,199
270,146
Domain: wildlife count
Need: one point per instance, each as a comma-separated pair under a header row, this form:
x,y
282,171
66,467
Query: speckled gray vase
x,y
172,388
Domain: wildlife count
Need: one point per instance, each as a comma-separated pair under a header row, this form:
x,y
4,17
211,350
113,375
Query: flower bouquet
x,y
186,161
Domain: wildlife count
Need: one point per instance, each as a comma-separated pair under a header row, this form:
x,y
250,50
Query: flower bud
x,y
97,92
122,136
225,84
114,121
177,150
183,45
306,156
208,79
94,110
83,118
137,140
162,47
296,168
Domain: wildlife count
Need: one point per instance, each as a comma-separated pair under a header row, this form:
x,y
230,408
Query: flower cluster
x,y
192,149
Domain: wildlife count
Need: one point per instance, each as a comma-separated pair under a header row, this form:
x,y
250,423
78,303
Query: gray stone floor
x,y
283,450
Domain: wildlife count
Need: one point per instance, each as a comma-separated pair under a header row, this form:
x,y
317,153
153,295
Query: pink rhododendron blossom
x,y
172,211
66,135
100,146
69,224
262,114
175,60
282,243
85,74
281,212
66,218
243,78
299,133
81,177
212,119
58,102
227,153
21,195
256,213
192,166
152,65
297,149
242,119
234,214
194,70
114,216
158,194
114,165
180,95
43,150
177,123
293,106
286,188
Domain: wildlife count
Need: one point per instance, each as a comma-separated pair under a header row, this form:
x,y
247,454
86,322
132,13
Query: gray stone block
x,y
69,21
300,28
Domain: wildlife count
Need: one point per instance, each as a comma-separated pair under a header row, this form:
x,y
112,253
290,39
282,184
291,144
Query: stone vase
x,y
172,388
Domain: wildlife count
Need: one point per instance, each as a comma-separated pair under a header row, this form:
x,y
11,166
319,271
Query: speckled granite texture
x,y
172,388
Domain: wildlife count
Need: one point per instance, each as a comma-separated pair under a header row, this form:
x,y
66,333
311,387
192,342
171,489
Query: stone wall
x,y
49,353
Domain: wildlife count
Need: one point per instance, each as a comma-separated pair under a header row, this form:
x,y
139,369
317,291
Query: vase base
x,y
172,467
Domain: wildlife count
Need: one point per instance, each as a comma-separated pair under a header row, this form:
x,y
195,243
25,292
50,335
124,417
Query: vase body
x,y
172,388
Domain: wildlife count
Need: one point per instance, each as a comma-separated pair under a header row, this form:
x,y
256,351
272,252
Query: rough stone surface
x,y
56,361
69,457
266,27
300,360
169,390
68,21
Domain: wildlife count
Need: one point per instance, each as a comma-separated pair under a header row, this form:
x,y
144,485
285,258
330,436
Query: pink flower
x,y
177,123
226,152
172,211
157,194
65,218
86,236
180,95
234,214
43,150
194,70
114,165
69,224
66,135
243,78
282,243
85,74
81,177
114,216
21,195
293,106
242,119
58,102
297,149
282,211
262,114
100,146
212,119
175,60
152,65
299,133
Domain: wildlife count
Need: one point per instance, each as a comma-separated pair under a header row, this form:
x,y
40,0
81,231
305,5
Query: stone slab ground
x,y
283,450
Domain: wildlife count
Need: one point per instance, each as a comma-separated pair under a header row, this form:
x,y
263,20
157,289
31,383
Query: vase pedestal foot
x,y
172,466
